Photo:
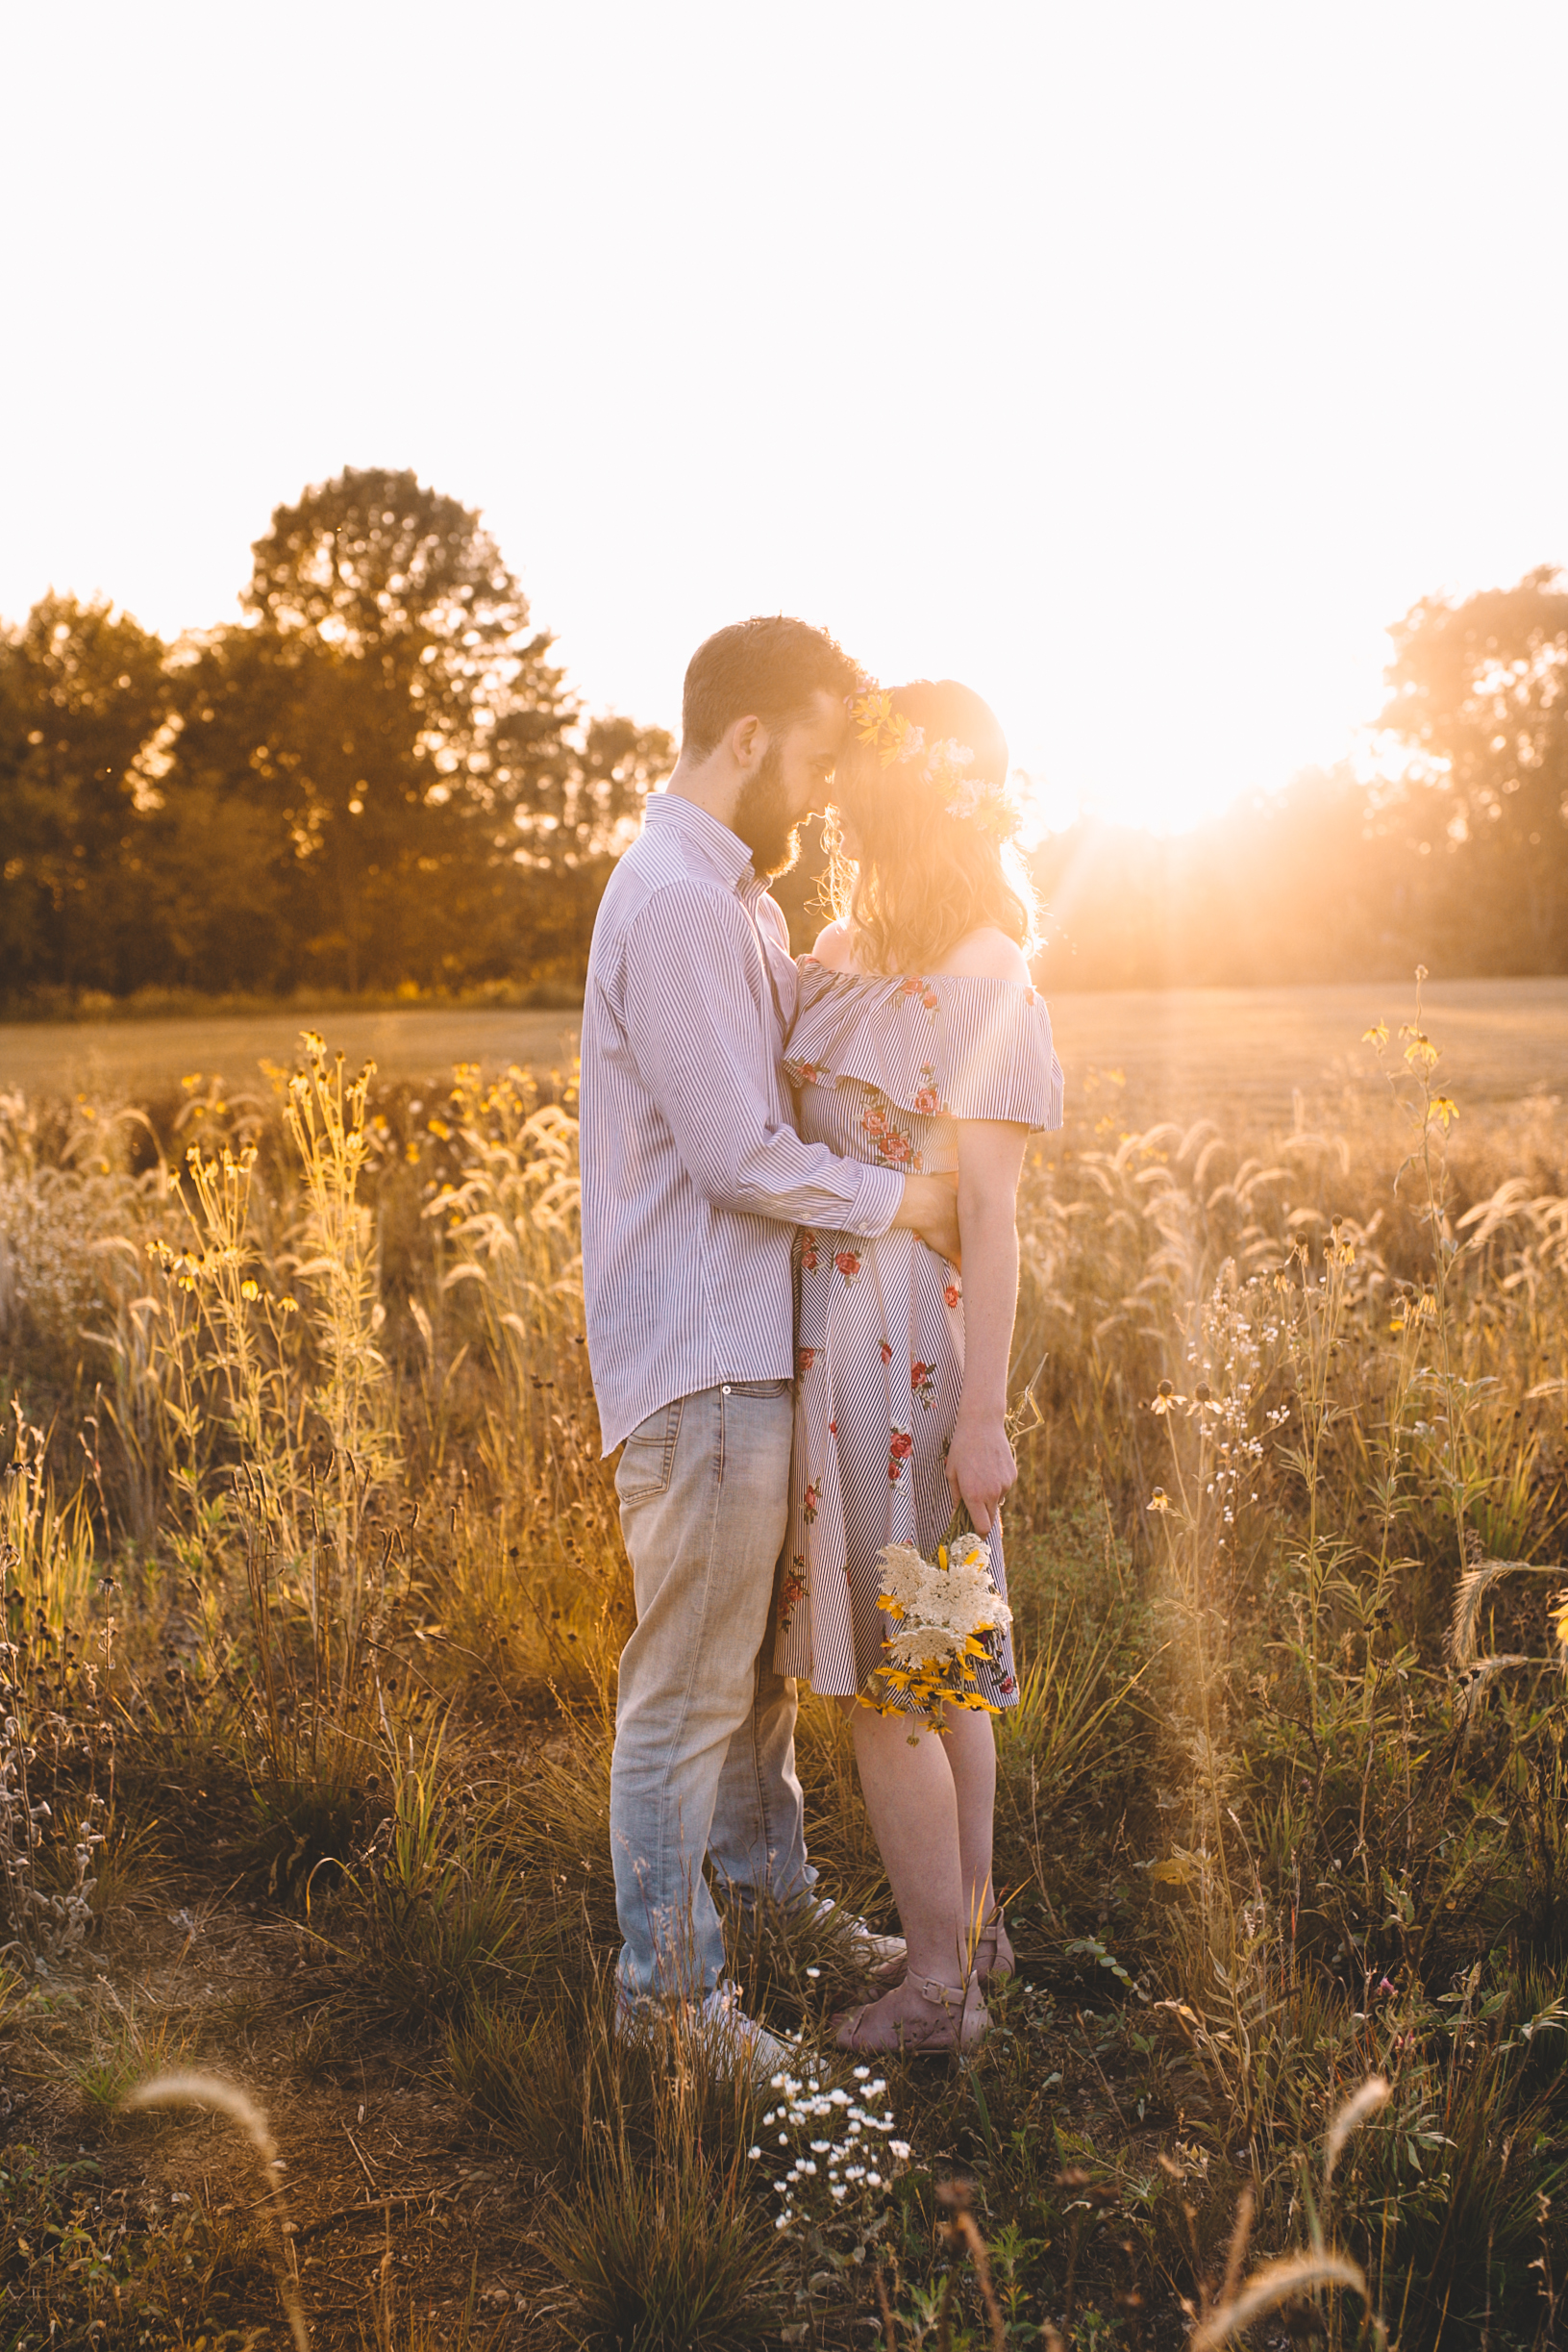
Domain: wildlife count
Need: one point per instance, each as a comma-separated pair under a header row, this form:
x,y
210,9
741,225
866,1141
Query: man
x,y
693,1181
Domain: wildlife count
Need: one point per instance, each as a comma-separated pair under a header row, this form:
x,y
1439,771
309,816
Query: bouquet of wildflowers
x,y
939,1609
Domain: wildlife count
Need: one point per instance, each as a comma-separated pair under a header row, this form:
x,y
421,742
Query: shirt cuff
x,y
878,1198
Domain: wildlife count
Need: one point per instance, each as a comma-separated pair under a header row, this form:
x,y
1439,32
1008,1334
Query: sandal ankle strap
x,y
940,1996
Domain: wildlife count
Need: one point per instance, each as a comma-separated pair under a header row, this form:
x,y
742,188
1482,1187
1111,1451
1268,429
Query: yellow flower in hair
x,y
885,729
894,739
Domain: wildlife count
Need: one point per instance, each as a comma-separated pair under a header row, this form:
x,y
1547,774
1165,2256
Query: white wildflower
x,y
940,1607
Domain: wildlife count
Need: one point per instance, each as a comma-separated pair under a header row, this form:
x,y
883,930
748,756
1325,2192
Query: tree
x,y
82,691
388,705
1480,697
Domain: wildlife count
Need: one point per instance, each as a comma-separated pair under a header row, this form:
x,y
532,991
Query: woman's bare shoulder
x,y
835,947
984,955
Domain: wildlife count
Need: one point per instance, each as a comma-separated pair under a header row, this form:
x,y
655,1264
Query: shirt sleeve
x,y
692,1012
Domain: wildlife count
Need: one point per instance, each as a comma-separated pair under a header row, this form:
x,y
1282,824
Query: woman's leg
x,y
912,1798
970,1748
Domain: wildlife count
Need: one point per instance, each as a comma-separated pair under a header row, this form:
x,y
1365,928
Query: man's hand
x,y
980,1467
929,1208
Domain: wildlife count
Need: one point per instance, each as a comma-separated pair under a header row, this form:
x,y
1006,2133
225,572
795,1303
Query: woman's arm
x,y
980,1464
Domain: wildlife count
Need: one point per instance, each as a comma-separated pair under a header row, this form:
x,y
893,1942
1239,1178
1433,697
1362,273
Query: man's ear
x,y
748,743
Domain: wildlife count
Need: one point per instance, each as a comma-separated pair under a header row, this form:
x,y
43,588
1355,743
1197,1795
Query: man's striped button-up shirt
x,y
694,1175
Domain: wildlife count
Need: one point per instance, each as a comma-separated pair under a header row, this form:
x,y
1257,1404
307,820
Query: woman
x,y
919,1043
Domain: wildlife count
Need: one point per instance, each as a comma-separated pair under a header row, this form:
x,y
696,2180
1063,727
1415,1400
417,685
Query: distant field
x,y
1193,1049
1181,1051
142,1059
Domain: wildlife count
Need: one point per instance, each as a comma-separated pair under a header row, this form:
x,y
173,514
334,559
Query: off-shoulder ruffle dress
x,y
883,1070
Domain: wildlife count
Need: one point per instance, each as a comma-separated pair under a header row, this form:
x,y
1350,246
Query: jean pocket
x,y
648,1456
758,1387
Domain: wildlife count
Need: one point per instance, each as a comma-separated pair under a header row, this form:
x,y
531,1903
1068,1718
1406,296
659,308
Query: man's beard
x,y
764,818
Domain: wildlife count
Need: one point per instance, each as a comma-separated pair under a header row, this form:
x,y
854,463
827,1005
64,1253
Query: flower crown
x,y
895,738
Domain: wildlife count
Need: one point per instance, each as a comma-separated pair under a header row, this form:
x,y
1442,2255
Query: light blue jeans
x,y
705,1730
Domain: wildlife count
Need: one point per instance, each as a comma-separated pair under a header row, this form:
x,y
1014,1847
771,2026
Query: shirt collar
x,y
720,848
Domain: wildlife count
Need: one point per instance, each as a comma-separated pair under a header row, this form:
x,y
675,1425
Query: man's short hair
x,y
768,668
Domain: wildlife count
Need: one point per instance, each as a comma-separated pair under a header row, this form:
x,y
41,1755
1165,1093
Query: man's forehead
x,y
828,725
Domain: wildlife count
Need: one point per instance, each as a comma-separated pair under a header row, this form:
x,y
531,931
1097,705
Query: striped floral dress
x,y
883,1070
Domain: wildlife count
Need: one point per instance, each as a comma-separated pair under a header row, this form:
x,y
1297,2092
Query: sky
x,y
1137,365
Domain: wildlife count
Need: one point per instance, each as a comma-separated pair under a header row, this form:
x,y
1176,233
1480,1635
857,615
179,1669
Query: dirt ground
x,y
393,2202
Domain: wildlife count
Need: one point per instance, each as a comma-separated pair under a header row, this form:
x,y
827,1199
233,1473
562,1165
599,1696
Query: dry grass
x,y
313,1592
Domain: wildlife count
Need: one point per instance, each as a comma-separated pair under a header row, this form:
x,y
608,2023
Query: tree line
x,y
377,779
1461,863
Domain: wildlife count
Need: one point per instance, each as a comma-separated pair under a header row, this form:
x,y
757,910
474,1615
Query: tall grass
x,y
1282,1809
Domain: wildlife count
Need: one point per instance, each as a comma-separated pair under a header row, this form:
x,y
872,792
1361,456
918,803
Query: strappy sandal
x,y
961,2026
994,1958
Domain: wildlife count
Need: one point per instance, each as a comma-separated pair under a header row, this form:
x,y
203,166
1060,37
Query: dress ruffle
x,y
943,1047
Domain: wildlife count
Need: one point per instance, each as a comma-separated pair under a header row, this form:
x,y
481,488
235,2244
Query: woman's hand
x,y
980,1466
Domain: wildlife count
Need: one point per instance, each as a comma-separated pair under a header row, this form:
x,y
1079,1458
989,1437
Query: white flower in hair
x,y
975,798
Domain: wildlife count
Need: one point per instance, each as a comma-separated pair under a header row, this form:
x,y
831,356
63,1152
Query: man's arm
x,y
705,1052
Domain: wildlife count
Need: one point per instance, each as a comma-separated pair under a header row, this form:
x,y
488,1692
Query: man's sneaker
x,y
875,1953
732,2041
737,2041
